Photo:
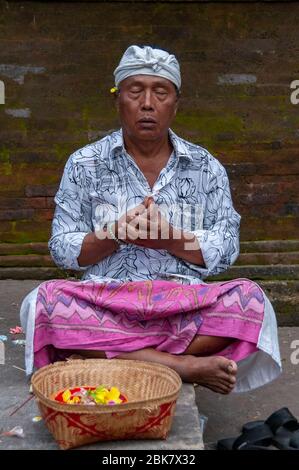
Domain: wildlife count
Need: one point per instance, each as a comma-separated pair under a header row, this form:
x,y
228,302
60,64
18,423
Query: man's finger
x,y
148,200
143,222
122,231
136,233
135,212
153,212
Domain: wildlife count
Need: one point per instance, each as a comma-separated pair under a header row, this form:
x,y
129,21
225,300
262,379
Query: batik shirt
x,y
101,181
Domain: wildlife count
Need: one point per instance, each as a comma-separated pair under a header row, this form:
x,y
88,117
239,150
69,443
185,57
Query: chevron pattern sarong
x,y
118,317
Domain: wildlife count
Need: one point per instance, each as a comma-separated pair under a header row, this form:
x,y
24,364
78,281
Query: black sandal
x,y
285,428
257,438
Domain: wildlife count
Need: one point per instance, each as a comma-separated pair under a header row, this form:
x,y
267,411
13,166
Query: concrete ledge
x,y
185,432
14,390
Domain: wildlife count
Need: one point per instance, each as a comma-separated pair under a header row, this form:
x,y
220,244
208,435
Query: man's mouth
x,y
147,121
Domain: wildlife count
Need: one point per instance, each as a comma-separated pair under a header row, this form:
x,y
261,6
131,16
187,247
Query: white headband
x,y
148,61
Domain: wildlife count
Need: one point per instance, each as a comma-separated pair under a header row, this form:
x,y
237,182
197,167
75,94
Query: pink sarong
x,y
119,317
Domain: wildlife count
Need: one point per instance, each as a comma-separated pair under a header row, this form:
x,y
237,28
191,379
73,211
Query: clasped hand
x,y
144,225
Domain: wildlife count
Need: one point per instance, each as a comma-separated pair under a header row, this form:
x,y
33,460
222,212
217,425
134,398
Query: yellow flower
x,y
66,395
113,89
73,400
113,395
100,394
104,396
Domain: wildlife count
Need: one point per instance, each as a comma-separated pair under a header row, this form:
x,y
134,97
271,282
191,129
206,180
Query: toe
x,y
220,388
225,390
232,367
232,379
227,384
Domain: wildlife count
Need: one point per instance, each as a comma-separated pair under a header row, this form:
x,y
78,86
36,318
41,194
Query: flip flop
x,y
282,417
288,443
258,438
284,426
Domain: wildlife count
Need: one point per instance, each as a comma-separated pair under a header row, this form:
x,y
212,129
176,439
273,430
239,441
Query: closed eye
x,y
135,90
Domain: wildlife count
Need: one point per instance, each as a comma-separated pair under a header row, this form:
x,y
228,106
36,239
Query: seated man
x,y
147,216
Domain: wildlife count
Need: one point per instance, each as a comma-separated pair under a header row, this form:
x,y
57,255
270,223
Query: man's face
x,y
146,106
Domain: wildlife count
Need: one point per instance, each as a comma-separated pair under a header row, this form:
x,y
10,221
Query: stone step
x,y
34,260
42,273
264,272
23,248
26,260
284,296
287,257
269,246
263,246
185,432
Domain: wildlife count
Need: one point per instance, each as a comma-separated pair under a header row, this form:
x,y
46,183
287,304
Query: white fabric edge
x,y
263,366
27,318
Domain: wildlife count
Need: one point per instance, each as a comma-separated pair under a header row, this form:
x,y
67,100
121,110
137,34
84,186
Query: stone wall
x,y
237,58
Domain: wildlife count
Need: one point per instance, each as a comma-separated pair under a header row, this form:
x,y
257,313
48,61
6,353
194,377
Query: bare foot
x,y
216,373
74,356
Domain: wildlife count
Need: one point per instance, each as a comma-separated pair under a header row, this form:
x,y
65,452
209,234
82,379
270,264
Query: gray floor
x,y
225,414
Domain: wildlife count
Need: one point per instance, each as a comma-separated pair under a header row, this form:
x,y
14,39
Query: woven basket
x,y
152,391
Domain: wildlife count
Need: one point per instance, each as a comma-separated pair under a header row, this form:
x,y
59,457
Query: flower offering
x,y
91,396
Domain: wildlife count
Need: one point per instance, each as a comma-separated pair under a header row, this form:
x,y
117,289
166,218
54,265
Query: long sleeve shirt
x,y
101,181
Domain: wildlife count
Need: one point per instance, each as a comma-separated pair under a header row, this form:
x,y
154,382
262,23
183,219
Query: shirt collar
x,y
180,148
179,145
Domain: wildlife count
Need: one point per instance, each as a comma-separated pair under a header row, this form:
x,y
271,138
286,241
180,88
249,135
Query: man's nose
x,y
147,102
